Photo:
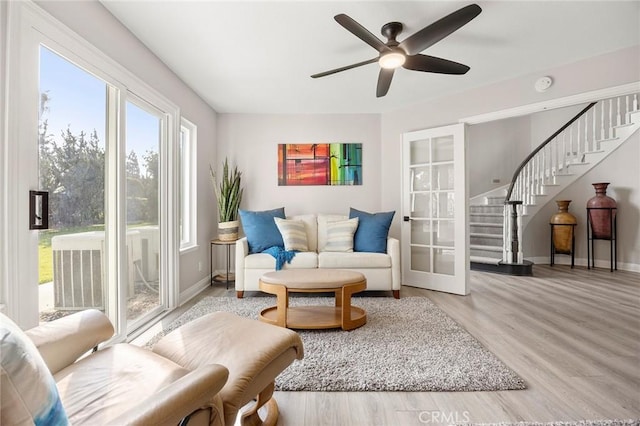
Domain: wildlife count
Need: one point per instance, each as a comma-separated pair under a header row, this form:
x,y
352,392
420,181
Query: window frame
x,y
187,185
30,27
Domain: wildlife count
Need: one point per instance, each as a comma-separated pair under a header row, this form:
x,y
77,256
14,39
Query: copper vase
x,y
601,216
563,234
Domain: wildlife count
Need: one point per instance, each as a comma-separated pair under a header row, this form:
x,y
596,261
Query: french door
x,y
94,156
435,249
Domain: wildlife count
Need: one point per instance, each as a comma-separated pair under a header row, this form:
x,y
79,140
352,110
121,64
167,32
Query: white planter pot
x,y
228,231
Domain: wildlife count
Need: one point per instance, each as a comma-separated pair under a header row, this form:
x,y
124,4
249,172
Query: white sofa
x,y
382,270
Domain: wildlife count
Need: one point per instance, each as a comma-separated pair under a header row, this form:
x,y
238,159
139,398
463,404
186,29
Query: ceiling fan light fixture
x,y
392,60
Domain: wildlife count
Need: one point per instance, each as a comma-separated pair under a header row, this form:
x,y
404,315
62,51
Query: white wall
x,y
250,141
495,150
612,69
545,123
94,23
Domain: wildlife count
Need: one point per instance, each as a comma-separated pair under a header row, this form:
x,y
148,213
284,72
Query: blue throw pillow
x,y
373,230
261,229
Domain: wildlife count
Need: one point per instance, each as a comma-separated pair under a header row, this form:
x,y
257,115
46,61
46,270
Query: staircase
x,y
498,217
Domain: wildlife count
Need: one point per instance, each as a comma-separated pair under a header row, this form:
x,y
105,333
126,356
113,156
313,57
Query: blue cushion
x,y
373,230
261,229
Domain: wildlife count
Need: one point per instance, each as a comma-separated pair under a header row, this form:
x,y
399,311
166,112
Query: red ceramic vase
x,y
601,217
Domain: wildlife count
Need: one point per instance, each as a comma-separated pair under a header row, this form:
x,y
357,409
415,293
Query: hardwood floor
x,y
572,335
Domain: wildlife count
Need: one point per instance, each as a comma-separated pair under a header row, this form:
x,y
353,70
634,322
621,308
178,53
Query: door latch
x,y
38,210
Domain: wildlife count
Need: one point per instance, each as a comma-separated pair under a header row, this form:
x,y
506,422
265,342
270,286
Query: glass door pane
x,y
142,265
71,141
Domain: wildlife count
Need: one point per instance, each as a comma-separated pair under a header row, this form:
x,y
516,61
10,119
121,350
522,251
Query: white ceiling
x,y
257,57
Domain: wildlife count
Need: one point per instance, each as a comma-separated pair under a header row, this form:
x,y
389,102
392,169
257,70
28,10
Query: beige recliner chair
x,y
202,373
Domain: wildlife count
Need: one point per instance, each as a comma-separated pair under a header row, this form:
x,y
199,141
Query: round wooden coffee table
x,y
341,282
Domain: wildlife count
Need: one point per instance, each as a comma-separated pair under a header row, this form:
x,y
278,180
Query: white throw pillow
x,y
293,234
340,235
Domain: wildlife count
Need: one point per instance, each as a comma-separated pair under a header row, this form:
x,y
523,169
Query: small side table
x,y
228,277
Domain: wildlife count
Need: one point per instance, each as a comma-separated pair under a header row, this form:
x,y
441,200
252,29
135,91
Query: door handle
x,y
38,210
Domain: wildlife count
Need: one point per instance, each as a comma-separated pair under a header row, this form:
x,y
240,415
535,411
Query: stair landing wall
x,y
622,169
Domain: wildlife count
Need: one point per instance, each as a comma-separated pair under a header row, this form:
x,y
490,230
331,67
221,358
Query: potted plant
x,y
228,196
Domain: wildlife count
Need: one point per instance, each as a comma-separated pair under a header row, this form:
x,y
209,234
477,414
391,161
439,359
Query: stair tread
x,y
487,224
484,259
485,248
486,214
607,139
484,235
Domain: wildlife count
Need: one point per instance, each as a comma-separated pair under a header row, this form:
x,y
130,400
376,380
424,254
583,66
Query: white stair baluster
x,y
586,132
530,182
506,233
635,101
526,184
626,109
572,150
618,117
594,133
578,143
610,118
525,193
534,173
553,160
562,161
602,121
545,163
540,172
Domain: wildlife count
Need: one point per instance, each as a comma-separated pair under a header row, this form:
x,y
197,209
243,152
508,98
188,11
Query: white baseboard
x,y
194,290
599,263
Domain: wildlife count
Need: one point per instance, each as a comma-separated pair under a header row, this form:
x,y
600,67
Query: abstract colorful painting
x,y
319,164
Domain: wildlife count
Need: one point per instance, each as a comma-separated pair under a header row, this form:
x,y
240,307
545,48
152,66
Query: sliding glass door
x,y
143,140
72,253
93,149
71,170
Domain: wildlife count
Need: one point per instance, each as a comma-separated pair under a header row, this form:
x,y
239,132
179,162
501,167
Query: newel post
x,y
513,249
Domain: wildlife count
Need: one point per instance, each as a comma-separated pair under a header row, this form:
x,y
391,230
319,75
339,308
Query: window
x,y
187,172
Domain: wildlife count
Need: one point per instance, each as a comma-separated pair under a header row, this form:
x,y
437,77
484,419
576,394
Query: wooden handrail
x,y
542,145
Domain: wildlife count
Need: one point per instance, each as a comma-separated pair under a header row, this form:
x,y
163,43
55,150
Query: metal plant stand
x,y
612,238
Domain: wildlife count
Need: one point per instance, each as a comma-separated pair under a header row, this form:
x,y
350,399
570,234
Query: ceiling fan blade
x,y
428,63
361,32
348,67
431,34
384,81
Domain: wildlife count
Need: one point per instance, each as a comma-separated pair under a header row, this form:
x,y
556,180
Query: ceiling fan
x,y
406,54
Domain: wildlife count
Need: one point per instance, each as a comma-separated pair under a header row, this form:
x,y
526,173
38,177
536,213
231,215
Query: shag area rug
x,y
406,345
